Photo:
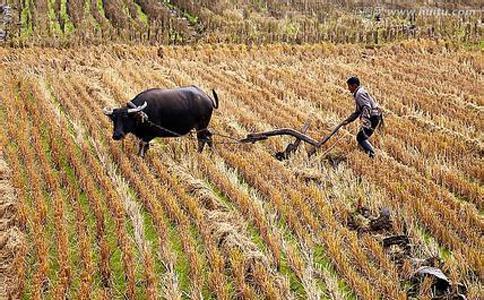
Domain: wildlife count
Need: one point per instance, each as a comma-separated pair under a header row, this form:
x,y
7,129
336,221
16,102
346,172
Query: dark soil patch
x,y
427,277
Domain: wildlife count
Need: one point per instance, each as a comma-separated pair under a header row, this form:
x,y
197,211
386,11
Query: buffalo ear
x,y
108,112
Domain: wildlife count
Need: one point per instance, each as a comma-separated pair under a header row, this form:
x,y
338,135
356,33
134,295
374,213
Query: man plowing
x,y
368,111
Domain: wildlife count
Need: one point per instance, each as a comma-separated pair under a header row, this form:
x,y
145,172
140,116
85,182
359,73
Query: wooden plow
x,y
291,147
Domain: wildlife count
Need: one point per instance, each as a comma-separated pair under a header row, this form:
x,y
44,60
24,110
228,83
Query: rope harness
x,y
145,120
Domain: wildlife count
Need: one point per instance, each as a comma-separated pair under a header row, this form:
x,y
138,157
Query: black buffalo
x,y
165,113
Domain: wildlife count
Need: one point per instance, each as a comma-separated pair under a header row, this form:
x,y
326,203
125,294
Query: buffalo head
x,y
124,119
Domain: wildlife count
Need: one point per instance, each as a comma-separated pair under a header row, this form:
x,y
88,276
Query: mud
x,y
426,276
362,221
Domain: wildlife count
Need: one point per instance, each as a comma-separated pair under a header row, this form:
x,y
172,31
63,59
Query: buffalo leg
x,y
143,148
140,147
204,136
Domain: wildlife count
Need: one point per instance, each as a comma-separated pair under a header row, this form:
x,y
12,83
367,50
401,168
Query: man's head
x,y
353,84
124,120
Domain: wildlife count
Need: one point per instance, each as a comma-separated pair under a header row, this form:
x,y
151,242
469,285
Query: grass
x,y
473,46
68,26
87,14
182,267
295,284
192,19
100,8
444,253
116,263
26,27
141,14
30,256
72,231
54,25
323,261
50,229
152,237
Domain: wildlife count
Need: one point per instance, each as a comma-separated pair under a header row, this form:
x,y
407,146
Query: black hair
x,y
353,80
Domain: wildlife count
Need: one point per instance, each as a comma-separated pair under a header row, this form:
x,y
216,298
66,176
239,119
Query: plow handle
x,y
321,143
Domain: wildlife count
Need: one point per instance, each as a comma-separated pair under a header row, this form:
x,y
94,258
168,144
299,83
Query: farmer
x,y
368,111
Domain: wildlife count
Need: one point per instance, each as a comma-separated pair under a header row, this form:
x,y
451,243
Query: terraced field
x,y
61,23
101,223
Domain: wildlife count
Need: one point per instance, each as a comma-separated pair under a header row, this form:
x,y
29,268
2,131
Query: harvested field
x,y
102,223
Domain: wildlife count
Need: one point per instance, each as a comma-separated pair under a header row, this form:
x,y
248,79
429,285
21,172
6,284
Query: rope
x,y
235,140
228,137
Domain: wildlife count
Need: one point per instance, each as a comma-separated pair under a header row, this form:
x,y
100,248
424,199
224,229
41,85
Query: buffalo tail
x,y
215,102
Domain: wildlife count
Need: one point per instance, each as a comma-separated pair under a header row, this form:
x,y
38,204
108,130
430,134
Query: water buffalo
x,y
165,113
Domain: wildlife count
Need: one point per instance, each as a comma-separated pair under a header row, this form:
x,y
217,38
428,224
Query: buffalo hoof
x,y
143,148
201,145
202,142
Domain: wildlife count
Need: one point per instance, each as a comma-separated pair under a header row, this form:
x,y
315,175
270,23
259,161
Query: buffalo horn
x,y
137,109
